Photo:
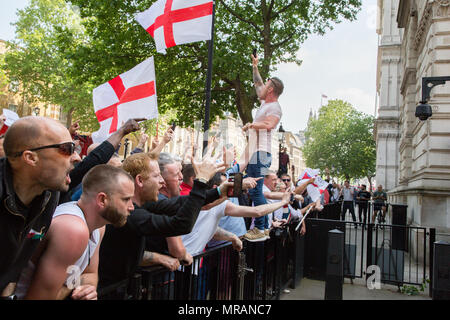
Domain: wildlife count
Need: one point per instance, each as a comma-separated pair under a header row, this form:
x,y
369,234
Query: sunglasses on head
x,y
65,148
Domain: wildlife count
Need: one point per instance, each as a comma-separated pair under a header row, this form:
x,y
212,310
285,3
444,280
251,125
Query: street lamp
x,y
281,142
423,110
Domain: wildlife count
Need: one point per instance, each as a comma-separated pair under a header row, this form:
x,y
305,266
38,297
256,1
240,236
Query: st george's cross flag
x,y
175,22
9,118
128,96
315,189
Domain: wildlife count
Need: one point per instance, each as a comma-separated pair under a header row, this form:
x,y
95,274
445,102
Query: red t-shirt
x,y
185,189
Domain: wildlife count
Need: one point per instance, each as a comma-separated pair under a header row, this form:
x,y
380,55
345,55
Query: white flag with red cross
x,y
8,118
174,22
315,189
128,96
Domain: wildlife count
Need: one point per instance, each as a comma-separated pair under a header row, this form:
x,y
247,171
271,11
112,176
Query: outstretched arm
x,y
258,211
166,139
257,80
223,235
154,259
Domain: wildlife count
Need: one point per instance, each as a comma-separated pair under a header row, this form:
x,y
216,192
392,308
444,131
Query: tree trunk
x,y
243,104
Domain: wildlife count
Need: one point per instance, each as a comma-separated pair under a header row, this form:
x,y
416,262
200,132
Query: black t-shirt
x,y
364,195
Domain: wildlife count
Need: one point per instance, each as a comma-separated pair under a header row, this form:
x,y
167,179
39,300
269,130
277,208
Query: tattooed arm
x,y
257,80
223,235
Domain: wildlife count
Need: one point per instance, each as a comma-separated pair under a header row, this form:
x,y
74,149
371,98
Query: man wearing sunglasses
x,y
68,257
266,120
37,173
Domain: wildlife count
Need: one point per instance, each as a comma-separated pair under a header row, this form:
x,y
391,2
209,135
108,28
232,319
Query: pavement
x,y
309,289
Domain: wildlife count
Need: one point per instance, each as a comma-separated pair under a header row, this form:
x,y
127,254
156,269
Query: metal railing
x,y
261,271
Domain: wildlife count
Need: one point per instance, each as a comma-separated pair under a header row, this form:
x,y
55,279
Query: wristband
x,y
218,191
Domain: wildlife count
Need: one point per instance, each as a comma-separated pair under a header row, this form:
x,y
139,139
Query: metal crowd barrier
x,y
261,271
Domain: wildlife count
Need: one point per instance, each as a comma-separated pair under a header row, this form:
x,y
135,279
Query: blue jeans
x,y
258,166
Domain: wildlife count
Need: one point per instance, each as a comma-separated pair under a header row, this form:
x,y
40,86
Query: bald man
x,y
75,236
39,165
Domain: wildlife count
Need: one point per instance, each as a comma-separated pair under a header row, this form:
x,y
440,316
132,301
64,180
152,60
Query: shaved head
x,y
31,132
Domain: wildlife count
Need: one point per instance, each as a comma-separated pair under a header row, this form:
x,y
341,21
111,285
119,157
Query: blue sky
x,y
341,64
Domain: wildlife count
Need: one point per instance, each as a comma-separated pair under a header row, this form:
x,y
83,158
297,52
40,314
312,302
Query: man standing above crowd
x,y
266,119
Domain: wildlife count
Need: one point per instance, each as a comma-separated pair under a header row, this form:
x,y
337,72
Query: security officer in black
x,y
363,197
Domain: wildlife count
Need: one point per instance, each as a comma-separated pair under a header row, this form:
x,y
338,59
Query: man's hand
x,y
229,155
255,60
250,183
246,127
299,198
286,197
303,229
236,243
74,128
170,263
208,167
85,292
312,180
155,143
130,126
142,140
187,260
279,223
168,136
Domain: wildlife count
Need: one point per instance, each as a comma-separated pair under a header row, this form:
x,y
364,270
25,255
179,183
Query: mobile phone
x,y
254,52
292,198
236,190
173,126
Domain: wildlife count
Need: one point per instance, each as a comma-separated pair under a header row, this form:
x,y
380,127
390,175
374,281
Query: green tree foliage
x,y
3,78
341,139
275,28
64,49
34,58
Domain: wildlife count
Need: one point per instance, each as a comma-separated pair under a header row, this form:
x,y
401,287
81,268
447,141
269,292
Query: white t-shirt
x,y
70,208
263,138
347,193
204,229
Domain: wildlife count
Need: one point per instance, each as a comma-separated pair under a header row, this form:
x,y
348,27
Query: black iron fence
x,y
261,271
401,253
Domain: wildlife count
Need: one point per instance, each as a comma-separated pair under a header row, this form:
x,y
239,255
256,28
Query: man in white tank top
x,y
68,257
266,120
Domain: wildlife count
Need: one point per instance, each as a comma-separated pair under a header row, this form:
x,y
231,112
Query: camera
x,y
236,190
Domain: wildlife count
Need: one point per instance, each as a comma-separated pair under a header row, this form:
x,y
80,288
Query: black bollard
x,y
441,271
334,278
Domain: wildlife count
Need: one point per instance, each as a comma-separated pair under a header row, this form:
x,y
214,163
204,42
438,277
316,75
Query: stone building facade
x,y
413,156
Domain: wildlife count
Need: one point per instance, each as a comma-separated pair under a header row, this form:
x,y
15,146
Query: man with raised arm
x,y
266,120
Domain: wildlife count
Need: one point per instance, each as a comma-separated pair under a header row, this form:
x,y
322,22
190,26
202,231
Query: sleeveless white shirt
x,y
70,208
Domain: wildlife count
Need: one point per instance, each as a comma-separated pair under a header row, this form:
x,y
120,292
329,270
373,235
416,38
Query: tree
x,y
35,59
276,28
341,139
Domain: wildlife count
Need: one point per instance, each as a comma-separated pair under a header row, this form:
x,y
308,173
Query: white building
x,y
413,156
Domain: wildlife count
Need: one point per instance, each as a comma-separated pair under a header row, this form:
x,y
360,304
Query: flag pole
x,y
208,82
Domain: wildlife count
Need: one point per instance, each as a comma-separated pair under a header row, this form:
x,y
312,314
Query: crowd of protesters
x,y
75,217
